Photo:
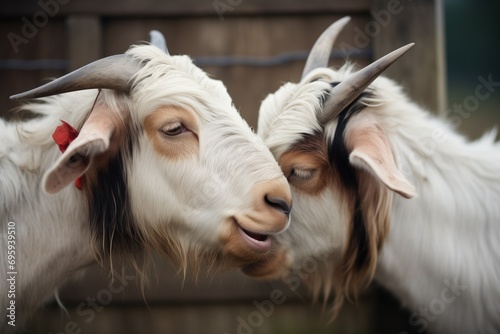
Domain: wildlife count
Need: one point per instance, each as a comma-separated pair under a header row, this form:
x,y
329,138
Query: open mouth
x,y
256,240
256,236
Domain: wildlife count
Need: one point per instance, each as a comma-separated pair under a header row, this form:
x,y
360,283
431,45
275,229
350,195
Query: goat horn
x,y
157,39
112,72
348,90
320,52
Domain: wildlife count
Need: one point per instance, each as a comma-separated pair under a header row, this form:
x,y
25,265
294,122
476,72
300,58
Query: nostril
x,y
278,203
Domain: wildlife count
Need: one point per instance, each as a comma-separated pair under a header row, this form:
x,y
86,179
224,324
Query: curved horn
x,y
320,52
112,72
348,90
157,39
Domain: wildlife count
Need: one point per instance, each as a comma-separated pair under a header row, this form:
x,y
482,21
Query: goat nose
x,y
271,204
278,203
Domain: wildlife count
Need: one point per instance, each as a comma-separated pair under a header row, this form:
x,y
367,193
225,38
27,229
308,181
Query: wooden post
x,y
422,69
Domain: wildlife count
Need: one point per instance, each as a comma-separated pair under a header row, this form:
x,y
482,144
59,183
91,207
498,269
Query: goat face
x,y
326,133
168,163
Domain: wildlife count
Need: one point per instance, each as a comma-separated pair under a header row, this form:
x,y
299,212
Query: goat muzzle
x,y
270,210
248,236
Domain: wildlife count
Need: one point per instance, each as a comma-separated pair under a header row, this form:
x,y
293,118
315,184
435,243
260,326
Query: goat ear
x,y
370,150
94,139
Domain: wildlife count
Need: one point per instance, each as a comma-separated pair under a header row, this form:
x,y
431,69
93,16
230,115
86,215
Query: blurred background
x,y
253,46
472,49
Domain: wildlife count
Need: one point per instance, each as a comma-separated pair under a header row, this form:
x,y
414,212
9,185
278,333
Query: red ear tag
x,y
63,136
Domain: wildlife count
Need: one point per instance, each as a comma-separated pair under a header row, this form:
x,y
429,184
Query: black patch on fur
x,y
111,219
305,138
339,157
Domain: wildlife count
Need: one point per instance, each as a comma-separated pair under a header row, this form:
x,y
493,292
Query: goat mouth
x,y
257,241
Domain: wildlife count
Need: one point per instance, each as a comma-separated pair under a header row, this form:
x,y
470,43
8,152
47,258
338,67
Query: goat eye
x,y
302,174
173,129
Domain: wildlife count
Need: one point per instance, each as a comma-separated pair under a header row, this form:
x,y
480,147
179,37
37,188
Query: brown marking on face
x,y
179,146
376,201
350,277
236,253
236,250
342,275
309,155
346,275
271,267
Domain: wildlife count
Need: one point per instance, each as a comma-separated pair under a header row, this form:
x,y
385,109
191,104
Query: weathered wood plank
x,y
247,36
84,40
46,43
422,69
186,7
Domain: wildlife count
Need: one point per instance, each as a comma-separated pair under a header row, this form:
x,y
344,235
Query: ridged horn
x,y
112,72
157,39
348,90
320,52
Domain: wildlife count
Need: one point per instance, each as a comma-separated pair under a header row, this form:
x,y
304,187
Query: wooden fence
x,y
82,31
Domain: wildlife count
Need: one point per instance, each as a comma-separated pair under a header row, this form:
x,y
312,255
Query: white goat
x,y
168,165
345,151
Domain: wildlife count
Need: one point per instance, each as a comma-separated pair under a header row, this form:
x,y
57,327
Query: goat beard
x,y
270,267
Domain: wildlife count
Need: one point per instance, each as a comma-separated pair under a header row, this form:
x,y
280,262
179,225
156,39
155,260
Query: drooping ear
x,y
94,139
370,150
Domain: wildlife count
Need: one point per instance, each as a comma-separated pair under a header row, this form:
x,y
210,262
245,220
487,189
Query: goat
x,y
165,164
347,143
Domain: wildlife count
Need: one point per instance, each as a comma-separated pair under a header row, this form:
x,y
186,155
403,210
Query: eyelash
x,y
302,174
173,129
